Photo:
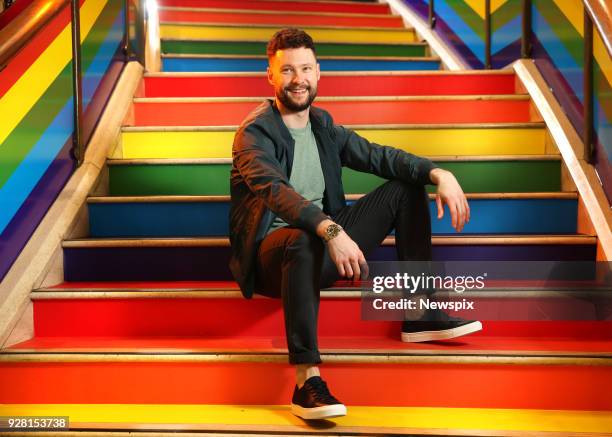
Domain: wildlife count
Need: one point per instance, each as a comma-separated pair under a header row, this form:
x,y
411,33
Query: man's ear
x,y
318,72
270,75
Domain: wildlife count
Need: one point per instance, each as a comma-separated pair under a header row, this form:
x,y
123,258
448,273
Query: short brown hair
x,y
289,38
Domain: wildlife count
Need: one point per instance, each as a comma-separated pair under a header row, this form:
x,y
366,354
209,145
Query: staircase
x,y
148,332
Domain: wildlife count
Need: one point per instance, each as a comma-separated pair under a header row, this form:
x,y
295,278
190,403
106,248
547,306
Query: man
x,y
290,229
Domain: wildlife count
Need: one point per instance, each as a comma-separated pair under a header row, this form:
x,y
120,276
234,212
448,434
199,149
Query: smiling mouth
x,y
298,91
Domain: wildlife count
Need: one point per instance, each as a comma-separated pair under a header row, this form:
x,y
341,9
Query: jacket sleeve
x,y
255,159
387,162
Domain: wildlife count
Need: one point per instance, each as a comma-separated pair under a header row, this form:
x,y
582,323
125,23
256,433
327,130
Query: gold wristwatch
x,y
332,231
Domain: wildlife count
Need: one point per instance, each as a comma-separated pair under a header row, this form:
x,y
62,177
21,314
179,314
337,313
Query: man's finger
x,y
365,270
440,206
356,270
341,271
467,209
452,208
348,269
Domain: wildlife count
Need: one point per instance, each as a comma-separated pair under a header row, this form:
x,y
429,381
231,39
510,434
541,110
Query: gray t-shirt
x,y
306,174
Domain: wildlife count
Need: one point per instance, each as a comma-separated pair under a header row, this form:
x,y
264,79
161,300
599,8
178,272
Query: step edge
x,y
336,358
226,198
440,158
416,126
573,239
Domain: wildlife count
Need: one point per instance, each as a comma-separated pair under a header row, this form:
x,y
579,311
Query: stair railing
x,y
17,33
150,17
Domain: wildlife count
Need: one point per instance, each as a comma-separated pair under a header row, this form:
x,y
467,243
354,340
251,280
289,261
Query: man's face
x,y
294,74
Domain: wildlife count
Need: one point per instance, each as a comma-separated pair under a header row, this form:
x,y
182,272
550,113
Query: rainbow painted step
x,y
345,110
202,177
335,84
206,315
235,375
282,6
114,419
277,19
196,216
246,379
206,47
250,63
428,139
132,363
197,259
254,32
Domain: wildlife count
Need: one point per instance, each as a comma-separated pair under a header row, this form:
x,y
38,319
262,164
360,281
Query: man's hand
x,y
345,254
451,194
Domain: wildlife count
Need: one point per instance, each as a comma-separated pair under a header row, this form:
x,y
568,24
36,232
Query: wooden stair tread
x,y
470,345
389,241
479,126
225,198
458,158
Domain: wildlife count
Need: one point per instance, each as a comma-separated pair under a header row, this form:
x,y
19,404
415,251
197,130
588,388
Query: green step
x,y
193,177
190,47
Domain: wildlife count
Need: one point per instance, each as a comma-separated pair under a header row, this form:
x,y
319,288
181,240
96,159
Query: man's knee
x,y
304,245
405,190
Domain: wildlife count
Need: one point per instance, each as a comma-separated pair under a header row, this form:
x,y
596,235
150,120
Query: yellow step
x,y
278,419
427,140
319,34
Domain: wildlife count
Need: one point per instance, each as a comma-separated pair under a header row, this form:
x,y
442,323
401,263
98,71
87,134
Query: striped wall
x,y
462,23
558,50
36,109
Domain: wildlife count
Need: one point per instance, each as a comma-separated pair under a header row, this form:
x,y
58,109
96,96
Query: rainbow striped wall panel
x,y
36,109
558,49
462,24
102,61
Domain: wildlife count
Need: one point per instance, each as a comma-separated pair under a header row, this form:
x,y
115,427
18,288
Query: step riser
x,y
213,179
449,142
259,65
238,318
352,112
377,85
542,387
259,48
186,219
280,20
281,6
240,33
206,263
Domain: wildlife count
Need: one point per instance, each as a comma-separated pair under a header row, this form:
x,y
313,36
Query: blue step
x,y
210,217
187,64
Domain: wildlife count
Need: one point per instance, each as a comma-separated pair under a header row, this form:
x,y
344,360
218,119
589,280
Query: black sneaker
x,y
314,401
437,325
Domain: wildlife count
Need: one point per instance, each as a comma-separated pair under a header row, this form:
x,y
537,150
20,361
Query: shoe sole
x,y
445,334
326,412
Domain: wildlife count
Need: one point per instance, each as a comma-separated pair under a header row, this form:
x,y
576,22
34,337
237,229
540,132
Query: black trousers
x,y
294,264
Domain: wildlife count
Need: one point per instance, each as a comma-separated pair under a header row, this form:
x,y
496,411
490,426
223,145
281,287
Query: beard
x,y
288,102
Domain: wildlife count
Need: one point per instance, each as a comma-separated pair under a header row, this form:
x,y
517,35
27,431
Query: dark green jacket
x,y
259,182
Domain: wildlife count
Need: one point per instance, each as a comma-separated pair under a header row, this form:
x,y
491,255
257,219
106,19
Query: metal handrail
x,y
152,55
601,16
21,29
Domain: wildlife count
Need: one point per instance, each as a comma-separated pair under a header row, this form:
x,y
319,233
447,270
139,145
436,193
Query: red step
x,y
198,113
280,19
215,313
266,379
282,6
378,84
